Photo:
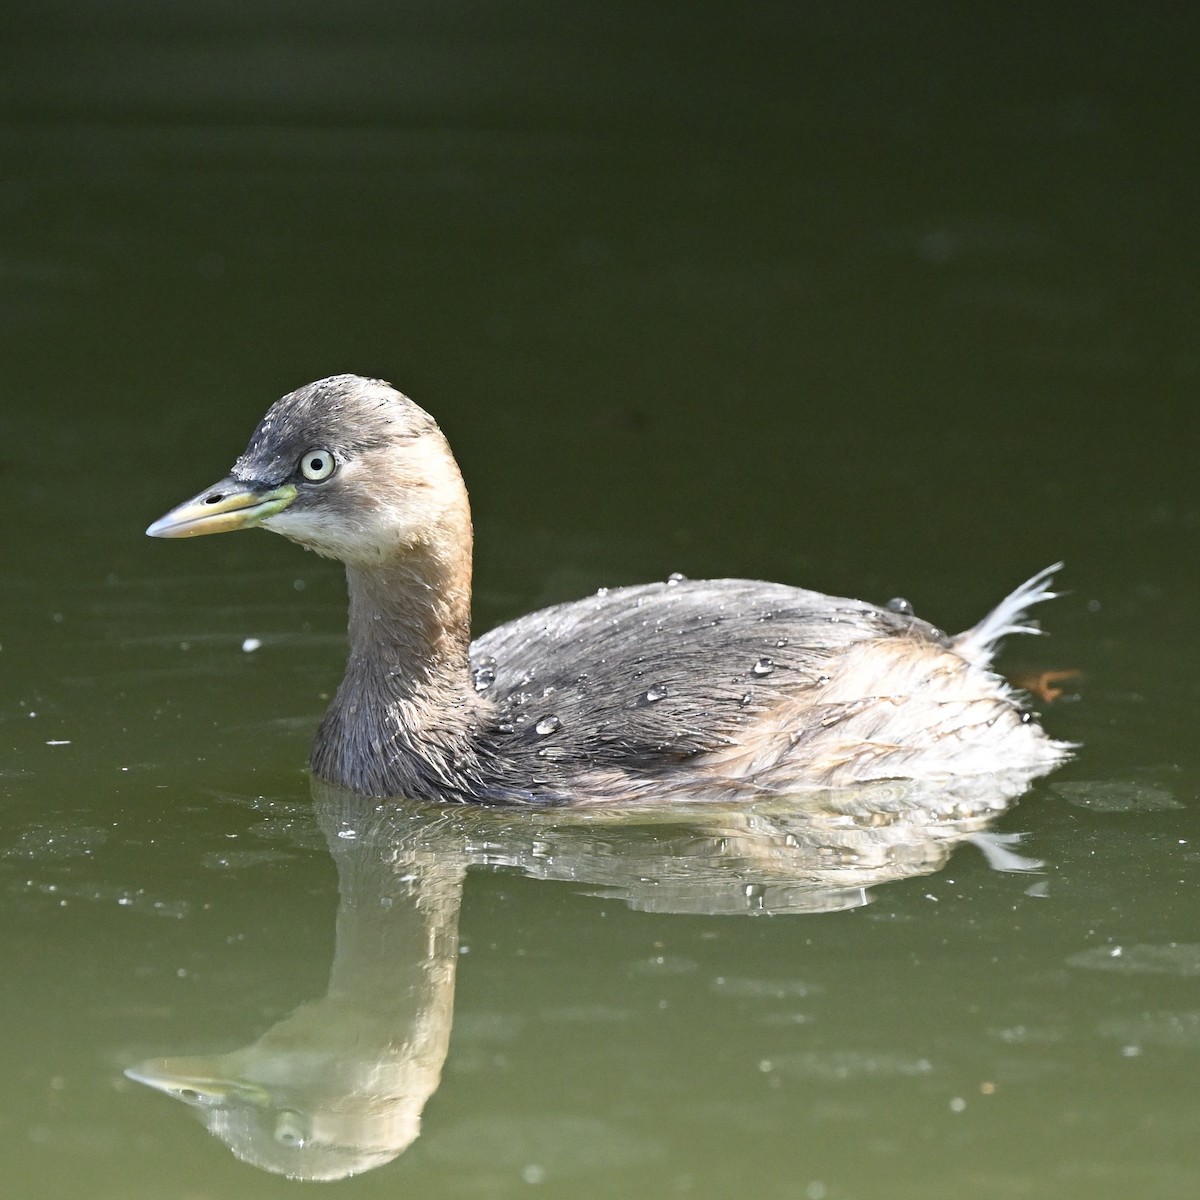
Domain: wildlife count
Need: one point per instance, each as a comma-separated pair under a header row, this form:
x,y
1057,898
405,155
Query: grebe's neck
x,y
410,621
405,714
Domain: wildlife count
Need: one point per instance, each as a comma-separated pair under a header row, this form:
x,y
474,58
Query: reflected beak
x,y
230,504
175,1075
195,1080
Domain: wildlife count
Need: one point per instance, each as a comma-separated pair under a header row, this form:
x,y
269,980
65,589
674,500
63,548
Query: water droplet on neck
x,y
653,694
897,604
764,666
675,578
548,724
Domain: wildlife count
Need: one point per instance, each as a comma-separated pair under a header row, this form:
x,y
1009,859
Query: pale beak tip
x,y
159,528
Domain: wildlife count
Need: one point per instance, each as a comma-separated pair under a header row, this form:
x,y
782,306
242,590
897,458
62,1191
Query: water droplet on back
x,y
897,604
548,724
674,578
764,666
483,673
654,693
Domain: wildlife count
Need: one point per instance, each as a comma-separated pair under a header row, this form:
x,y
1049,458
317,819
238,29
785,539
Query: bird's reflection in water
x,y
337,1087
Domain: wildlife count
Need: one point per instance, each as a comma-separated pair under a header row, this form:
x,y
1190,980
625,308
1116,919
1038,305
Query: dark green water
x,y
871,301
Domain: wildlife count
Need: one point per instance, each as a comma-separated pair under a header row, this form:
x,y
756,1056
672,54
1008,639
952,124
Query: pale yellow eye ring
x,y
317,465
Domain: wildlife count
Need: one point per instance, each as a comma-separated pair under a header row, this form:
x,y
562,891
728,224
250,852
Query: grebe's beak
x,y
228,505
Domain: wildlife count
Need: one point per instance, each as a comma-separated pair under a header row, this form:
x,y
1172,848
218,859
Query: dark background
x,y
801,289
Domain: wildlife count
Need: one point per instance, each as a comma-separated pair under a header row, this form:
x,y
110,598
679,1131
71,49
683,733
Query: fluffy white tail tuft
x,y
978,645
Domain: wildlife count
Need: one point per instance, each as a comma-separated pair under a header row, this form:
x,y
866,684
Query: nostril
x,y
215,498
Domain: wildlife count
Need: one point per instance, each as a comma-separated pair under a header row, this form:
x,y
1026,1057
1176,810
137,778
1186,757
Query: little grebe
x,y
689,689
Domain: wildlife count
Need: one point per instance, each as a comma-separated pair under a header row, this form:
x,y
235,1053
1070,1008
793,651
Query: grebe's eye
x,y
317,465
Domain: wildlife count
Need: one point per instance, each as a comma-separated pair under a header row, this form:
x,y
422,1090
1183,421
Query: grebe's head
x,y
345,466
